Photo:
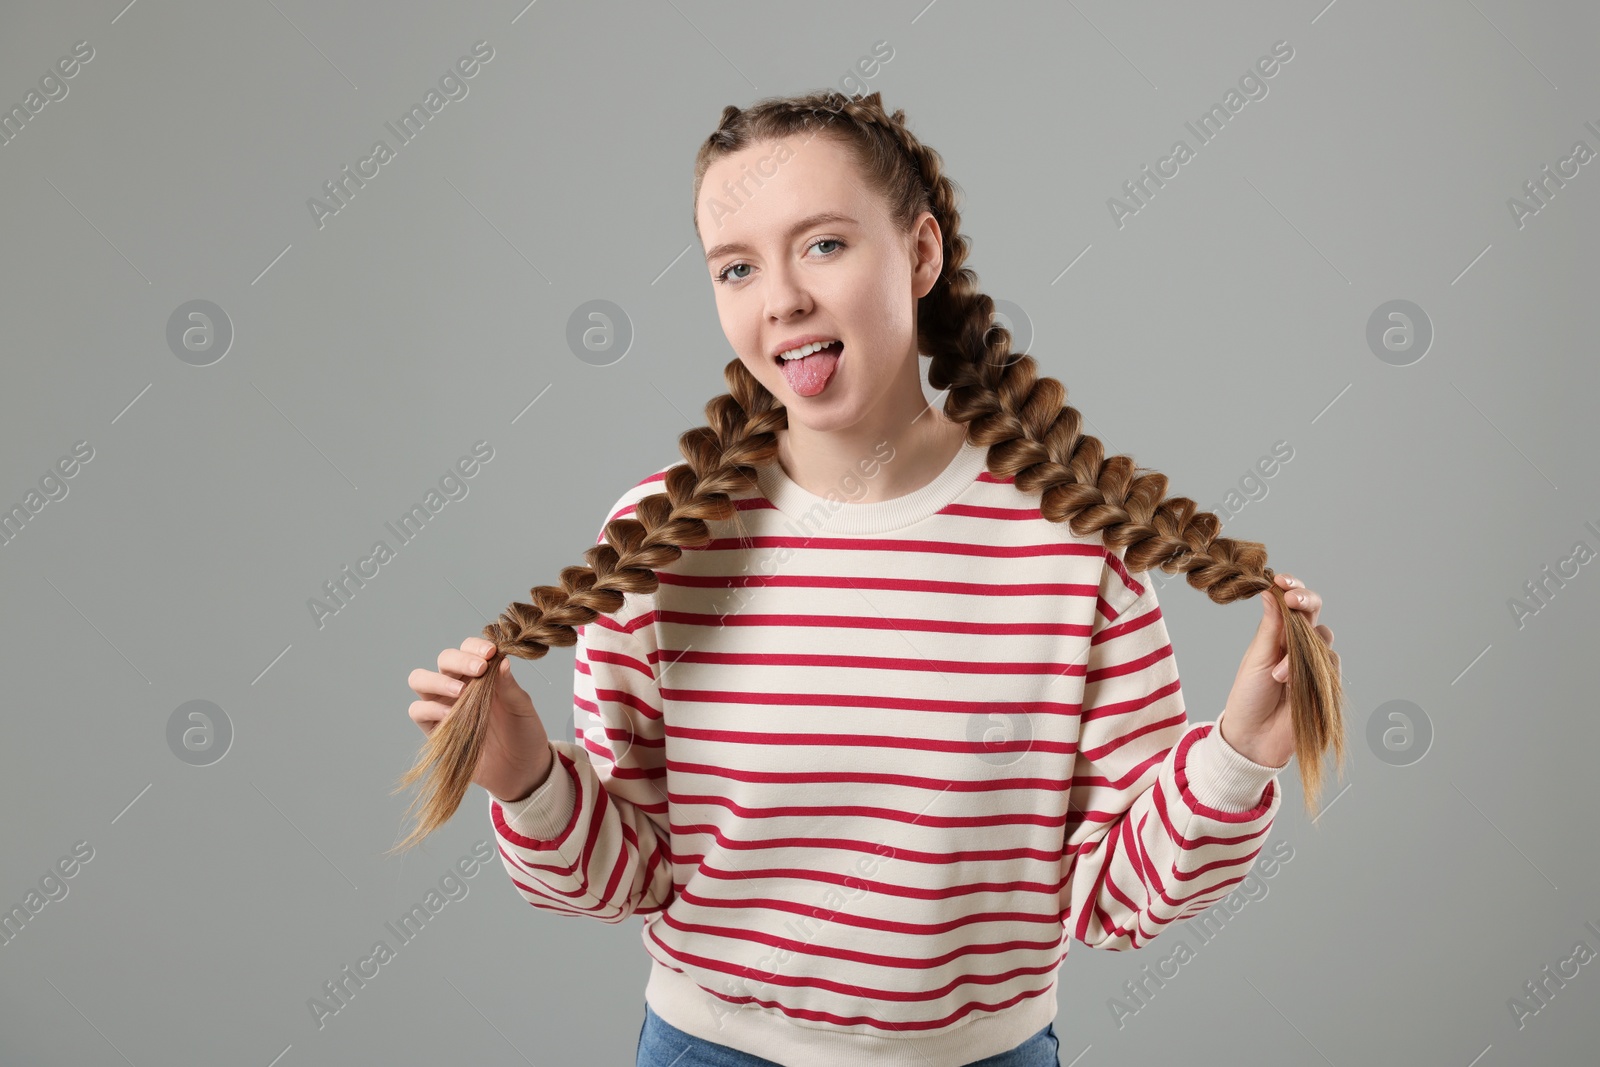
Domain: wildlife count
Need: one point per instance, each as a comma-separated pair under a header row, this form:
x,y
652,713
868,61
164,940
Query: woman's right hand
x,y
517,757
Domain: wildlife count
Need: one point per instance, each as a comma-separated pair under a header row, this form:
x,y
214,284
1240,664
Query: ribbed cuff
x,y
1223,779
545,812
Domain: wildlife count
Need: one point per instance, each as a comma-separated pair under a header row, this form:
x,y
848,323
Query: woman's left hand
x,y
1256,721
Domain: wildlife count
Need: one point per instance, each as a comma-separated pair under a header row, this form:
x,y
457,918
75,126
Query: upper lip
x,y
796,342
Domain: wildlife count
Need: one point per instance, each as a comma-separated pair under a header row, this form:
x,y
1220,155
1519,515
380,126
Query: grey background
x,y
370,354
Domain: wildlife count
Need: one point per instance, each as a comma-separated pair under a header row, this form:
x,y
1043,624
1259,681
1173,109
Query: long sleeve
x,y
594,838
1165,817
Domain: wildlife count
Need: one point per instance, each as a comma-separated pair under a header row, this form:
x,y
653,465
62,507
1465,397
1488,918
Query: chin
x,y
834,420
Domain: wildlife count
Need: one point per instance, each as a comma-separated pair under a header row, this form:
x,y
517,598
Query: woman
x,y
904,719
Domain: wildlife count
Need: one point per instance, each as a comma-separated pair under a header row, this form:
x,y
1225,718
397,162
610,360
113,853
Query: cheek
x,y
741,337
759,366
883,309
883,325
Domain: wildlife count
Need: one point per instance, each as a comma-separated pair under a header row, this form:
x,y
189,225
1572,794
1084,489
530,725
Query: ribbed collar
x,y
879,516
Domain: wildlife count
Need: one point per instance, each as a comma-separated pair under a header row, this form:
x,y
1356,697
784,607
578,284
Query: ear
x,y
927,254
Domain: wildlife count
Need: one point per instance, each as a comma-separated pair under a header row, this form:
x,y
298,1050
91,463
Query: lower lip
x,y
839,360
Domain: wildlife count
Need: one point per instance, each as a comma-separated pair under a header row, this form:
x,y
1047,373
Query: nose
x,y
786,297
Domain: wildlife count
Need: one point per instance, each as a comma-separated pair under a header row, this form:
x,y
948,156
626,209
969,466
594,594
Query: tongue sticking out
x,y
808,376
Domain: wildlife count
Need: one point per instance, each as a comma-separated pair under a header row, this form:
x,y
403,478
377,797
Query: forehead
x,y
755,194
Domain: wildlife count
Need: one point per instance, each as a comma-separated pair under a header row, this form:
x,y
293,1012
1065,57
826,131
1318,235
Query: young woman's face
x,y
782,274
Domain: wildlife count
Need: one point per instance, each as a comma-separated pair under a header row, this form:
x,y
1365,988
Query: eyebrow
x,y
804,224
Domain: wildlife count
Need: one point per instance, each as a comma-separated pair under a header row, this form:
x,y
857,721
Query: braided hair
x,y
1031,435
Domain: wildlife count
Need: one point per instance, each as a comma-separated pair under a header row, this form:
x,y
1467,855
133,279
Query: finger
x,y
433,684
1281,671
461,664
478,646
1325,633
428,714
1303,599
1284,581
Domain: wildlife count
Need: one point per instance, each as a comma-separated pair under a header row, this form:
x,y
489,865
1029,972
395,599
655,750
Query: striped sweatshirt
x,y
865,770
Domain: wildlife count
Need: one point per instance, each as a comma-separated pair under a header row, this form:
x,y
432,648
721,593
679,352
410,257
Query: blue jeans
x,y
663,1045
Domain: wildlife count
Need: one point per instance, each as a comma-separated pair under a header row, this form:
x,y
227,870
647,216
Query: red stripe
x,y
986,785
980,511
872,663
861,700
875,741
845,918
884,544
895,961
862,811
1121,572
743,580
852,622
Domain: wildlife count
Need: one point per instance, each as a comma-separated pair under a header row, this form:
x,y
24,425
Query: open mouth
x,y
832,347
810,374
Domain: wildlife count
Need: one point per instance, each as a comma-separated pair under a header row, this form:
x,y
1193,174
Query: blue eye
x,y
722,275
